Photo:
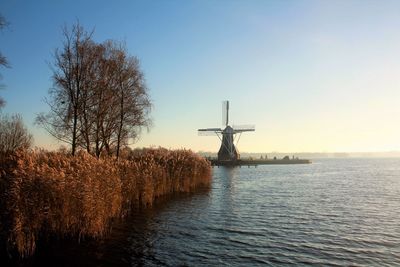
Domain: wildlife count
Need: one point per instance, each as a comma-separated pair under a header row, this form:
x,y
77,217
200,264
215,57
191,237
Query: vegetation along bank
x,y
54,194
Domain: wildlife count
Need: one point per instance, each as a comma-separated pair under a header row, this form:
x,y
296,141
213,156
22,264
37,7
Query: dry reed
x,y
54,194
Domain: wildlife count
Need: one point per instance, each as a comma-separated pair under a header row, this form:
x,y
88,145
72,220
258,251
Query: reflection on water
x,y
332,212
227,190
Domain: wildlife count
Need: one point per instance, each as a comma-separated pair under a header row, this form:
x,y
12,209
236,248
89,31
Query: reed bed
x,y
52,194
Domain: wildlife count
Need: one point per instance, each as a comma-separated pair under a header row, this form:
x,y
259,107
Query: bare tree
x,y
99,101
2,102
13,134
103,101
132,98
70,72
3,59
88,96
122,102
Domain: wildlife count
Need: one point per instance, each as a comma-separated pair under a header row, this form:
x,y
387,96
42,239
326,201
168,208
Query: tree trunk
x,y
74,127
120,122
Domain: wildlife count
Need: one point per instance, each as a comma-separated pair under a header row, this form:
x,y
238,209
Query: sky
x,y
312,76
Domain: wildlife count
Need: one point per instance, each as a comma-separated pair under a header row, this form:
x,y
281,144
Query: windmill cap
x,y
228,129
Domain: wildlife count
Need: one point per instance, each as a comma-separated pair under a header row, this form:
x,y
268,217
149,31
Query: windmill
x,y
229,136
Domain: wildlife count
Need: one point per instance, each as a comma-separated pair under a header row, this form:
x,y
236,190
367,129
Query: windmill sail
x,y
225,113
209,131
243,128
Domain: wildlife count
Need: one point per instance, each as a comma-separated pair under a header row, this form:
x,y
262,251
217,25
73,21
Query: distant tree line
x,y
99,101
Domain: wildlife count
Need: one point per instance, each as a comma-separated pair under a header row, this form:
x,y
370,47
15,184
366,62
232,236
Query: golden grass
x,y
52,193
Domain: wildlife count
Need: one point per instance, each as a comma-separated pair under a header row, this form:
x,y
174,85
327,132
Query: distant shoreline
x,y
313,155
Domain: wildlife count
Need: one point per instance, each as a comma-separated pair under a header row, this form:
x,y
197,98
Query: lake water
x,y
331,212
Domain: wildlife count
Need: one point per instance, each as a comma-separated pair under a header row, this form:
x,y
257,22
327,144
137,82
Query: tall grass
x,y
46,194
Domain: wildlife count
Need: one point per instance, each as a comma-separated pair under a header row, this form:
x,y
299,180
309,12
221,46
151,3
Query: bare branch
x,y
13,134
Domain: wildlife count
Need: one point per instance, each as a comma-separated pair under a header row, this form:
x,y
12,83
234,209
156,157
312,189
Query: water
x,y
332,212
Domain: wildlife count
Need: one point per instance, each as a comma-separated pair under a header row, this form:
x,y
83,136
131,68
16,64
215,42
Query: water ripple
x,y
333,212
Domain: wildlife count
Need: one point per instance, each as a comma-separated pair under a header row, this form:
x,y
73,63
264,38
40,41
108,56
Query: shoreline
x,y
256,162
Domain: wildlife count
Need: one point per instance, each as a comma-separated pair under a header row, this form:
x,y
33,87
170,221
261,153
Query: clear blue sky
x,y
311,75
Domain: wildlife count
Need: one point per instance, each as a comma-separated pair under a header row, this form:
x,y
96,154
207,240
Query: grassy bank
x,y
52,194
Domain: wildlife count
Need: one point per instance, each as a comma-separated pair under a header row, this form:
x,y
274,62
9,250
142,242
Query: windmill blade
x,y
243,128
209,131
225,113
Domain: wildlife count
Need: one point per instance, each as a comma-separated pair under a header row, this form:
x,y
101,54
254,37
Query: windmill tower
x,y
229,136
